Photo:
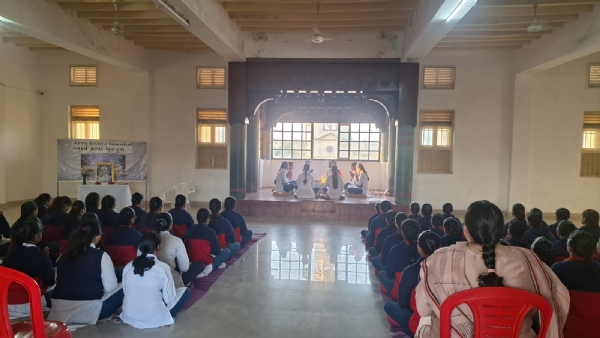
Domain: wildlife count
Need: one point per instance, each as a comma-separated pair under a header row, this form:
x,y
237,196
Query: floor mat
x,y
200,286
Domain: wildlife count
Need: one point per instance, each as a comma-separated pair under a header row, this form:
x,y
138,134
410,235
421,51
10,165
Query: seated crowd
x,y
91,261
422,259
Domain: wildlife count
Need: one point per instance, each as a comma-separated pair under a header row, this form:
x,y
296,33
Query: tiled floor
x,y
302,280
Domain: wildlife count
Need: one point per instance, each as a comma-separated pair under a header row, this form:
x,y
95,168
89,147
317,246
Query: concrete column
x,y
391,163
405,136
237,160
383,146
267,152
252,153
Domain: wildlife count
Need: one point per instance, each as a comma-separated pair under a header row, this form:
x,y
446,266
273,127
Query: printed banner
x,y
75,157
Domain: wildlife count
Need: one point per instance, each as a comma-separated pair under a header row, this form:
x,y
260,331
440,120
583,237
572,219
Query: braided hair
x,y
155,204
80,240
229,203
543,249
163,221
390,218
453,227
429,241
148,244
485,223
334,176
180,201
411,230
127,216
400,217
306,169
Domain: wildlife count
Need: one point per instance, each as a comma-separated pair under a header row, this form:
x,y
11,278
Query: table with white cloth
x,y
120,192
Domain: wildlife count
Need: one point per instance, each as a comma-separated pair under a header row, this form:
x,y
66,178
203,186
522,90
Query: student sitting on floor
x,y
390,242
353,175
42,202
579,272
202,243
27,258
125,234
401,311
543,249
282,183
28,210
425,221
362,186
92,202
151,299
437,224
107,215
237,222
72,224
305,183
414,211
516,234
57,215
334,185
453,232
447,210
518,212
87,289
363,233
589,219
559,247
378,223
148,221
402,255
536,229
222,228
390,229
562,214
179,214
174,254
136,204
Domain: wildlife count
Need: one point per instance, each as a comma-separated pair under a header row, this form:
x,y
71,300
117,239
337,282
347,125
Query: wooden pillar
x,y
383,147
391,163
237,130
252,155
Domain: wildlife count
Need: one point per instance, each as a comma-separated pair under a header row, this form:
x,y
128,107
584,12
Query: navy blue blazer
x,y
409,282
237,220
398,259
182,217
518,242
448,240
383,235
388,244
576,276
205,233
559,248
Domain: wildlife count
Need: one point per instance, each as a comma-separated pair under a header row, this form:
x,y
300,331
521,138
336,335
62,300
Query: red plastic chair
x,y
121,255
179,230
51,233
582,321
222,240
397,279
199,251
497,311
18,294
37,327
238,236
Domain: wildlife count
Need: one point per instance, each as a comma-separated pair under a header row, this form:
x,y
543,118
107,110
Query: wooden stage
x,y
263,204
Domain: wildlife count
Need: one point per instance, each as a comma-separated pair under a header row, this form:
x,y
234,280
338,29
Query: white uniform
x,y
363,183
334,193
305,190
280,180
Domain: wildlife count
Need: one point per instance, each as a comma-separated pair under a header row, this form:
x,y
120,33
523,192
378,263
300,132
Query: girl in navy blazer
x,y
579,272
452,232
390,219
107,215
559,247
221,226
402,255
391,241
180,216
42,202
148,221
237,220
202,244
92,202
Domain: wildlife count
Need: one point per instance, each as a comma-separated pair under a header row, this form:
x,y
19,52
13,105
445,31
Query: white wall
x,y
482,102
559,101
20,124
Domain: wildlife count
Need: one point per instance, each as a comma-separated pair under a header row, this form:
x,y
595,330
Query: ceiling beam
x,y
528,3
490,38
151,22
161,34
323,8
350,23
178,48
514,19
479,47
108,6
136,28
516,11
91,1
482,43
503,34
162,38
170,44
291,16
124,15
43,44
304,1
505,27
324,29
21,40
46,48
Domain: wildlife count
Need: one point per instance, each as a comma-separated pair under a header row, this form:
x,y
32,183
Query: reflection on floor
x,y
305,279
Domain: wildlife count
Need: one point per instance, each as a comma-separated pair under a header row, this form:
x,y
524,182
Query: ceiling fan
x,y
317,37
535,25
116,28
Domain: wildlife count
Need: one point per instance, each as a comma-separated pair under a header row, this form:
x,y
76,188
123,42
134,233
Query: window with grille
x,y
84,76
594,75
590,147
292,141
435,142
211,139
438,77
359,141
85,122
211,78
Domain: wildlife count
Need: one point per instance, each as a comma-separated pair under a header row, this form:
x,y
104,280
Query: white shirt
x,y
305,190
363,183
334,193
149,298
280,180
172,252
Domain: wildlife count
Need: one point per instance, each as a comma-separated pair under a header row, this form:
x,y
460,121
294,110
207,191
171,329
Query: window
x,y
211,139
590,147
84,76
292,141
211,78
85,122
438,77
326,141
435,146
594,75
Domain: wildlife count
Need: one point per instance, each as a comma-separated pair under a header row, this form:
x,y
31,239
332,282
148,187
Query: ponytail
x,y
180,201
453,227
148,245
80,240
163,221
334,176
42,199
411,230
362,168
215,206
27,210
484,222
25,231
390,218
202,215
155,204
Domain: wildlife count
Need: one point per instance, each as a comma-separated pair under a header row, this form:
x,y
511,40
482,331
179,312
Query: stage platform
x,y
264,204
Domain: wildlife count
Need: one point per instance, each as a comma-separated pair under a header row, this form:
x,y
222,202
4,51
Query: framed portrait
x,y
105,172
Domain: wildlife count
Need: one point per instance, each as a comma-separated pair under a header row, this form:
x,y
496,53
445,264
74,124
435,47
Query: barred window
x,y
590,147
211,78
211,139
438,77
435,146
85,122
84,76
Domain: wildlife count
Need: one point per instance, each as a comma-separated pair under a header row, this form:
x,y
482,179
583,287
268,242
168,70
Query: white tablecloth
x,y
120,192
